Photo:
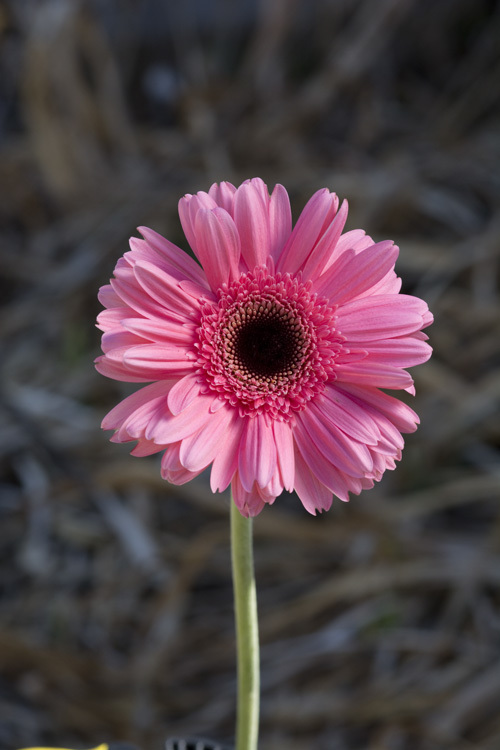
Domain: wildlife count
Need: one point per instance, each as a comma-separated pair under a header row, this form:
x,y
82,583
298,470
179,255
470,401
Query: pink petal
x,y
345,414
118,339
399,413
148,395
252,223
353,275
170,460
108,297
379,374
223,195
199,449
348,455
312,493
324,471
165,290
389,284
145,448
157,361
325,246
280,221
171,468
161,331
428,318
186,390
306,232
248,502
391,441
107,320
218,402
400,352
166,428
111,365
182,476
142,250
257,460
189,206
133,294
195,284
176,257
355,239
273,488
218,246
136,424
260,187
346,356
226,460
420,335
380,317
198,293
283,438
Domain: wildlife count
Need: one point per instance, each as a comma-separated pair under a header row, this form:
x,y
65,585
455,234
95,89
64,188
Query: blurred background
x,y
380,621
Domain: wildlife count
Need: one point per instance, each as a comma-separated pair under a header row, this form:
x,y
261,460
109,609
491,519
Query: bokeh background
x,y
380,620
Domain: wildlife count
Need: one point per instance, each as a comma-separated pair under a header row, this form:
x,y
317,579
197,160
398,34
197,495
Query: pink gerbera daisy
x,y
265,361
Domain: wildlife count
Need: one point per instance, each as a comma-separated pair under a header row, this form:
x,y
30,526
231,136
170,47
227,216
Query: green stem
x,y
247,631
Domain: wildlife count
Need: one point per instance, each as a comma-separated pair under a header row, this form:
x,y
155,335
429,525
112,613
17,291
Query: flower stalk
x,y
247,631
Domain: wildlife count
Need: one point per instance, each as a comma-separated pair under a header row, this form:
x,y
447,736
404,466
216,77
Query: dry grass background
x,y
380,620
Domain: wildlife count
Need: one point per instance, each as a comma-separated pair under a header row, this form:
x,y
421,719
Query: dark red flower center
x,y
268,345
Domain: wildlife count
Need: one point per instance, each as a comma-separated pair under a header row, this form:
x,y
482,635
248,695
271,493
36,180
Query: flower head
x,y
266,361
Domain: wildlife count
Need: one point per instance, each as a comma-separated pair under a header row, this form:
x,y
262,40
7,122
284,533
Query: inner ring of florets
x,y
268,345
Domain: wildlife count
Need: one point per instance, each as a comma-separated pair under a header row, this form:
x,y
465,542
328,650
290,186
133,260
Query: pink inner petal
x,y
325,246
218,246
306,232
252,222
280,221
